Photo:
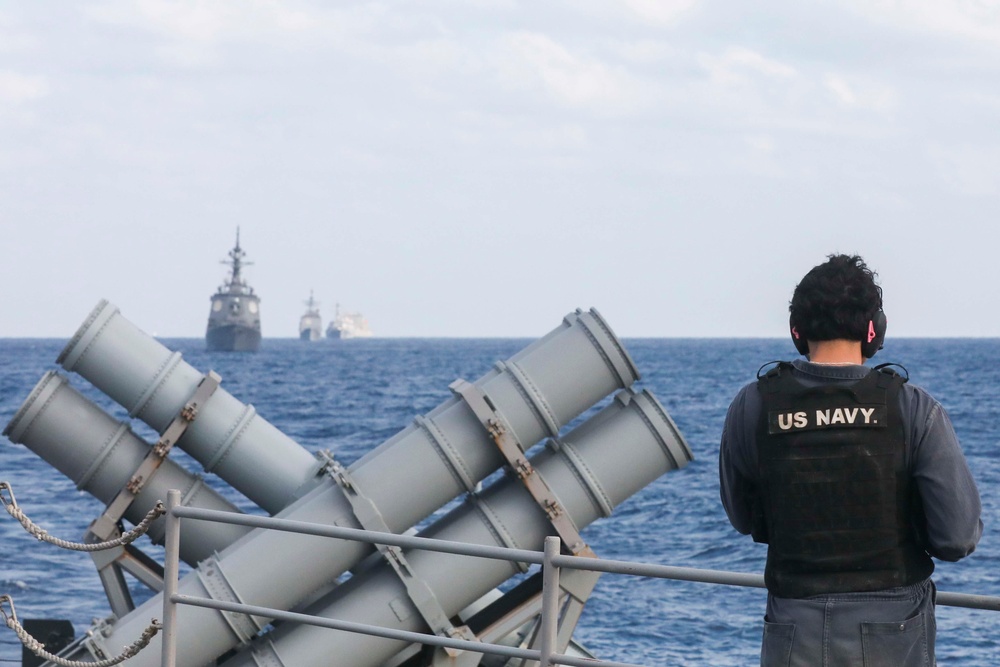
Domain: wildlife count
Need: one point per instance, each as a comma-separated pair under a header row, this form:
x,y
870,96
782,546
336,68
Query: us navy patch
x,y
855,416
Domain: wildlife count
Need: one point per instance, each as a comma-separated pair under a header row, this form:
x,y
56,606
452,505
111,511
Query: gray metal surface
x,y
228,438
537,391
624,449
101,454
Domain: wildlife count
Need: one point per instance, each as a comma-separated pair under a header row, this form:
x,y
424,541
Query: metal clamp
x,y
107,526
107,523
513,453
418,591
217,586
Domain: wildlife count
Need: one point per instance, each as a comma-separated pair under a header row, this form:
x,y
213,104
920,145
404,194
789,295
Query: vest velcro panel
x,y
835,493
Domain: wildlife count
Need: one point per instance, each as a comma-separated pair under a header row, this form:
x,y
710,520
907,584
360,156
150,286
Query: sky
x,y
484,167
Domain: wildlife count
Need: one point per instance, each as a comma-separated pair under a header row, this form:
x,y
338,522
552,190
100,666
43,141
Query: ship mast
x,y
236,263
311,303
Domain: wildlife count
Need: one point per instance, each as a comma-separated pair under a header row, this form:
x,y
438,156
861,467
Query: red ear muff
x,y
875,335
800,342
870,344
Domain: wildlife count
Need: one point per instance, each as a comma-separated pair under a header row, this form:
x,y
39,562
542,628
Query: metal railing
x,y
550,559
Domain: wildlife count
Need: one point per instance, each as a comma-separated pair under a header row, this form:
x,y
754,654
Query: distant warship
x,y
234,320
348,325
311,325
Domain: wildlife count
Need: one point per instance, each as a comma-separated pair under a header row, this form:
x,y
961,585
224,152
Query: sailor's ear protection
x,y
871,343
873,340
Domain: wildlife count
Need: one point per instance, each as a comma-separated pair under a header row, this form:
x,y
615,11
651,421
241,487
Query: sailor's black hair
x,y
836,299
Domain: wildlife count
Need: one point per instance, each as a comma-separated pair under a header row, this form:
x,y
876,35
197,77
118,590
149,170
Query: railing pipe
x,y
723,577
968,601
551,561
171,576
745,579
367,536
550,602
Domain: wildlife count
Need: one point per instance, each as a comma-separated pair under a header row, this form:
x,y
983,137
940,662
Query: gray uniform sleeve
x,y
947,489
735,471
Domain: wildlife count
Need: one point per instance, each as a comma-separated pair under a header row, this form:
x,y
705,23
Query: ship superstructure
x,y
234,318
311,324
348,325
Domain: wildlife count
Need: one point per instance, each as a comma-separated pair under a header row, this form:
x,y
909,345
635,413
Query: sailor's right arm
x,y
949,497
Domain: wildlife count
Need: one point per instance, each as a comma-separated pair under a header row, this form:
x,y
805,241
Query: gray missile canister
x,y
538,390
592,469
441,455
100,455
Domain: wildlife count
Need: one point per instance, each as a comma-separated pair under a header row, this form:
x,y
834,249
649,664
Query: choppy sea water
x,y
349,396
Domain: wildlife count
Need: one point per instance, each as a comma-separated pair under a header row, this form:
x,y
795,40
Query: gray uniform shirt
x,y
808,632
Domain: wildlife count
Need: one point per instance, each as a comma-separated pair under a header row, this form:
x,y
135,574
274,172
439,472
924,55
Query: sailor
x,y
854,478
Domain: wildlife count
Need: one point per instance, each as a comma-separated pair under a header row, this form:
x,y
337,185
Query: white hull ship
x,y
348,325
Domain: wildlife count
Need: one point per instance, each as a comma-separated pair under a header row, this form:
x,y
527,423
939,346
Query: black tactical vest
x,y
835,498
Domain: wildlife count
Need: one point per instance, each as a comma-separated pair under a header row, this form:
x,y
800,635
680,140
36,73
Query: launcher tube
x,y
621,450
154,384
101,454
408,477
538,390
633,433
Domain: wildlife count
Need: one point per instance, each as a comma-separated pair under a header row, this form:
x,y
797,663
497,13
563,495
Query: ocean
x,y
350,396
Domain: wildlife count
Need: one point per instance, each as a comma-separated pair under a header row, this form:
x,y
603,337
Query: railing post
x,y
550,601
171,568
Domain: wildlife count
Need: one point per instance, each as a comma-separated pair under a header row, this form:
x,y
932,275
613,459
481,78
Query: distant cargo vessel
x,y
234,319
348,325
311,324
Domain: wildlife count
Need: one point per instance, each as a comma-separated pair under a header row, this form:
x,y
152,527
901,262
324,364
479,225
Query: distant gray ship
x,y
234,320
311,324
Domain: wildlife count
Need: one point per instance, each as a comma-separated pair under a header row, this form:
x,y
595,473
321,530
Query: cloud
x,y
661,12
739,65
743,86
968,169
647,51
192,33
968,19
855,95
203,21
13,37
752,88
534,61
761,143
18,88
